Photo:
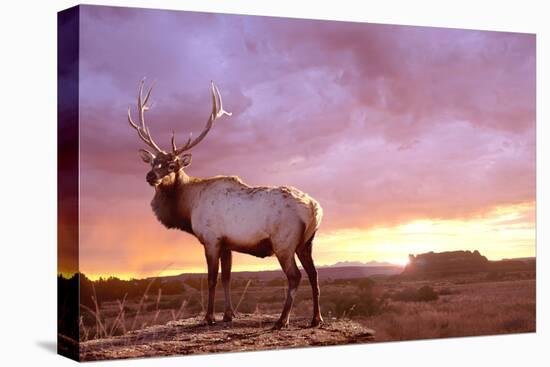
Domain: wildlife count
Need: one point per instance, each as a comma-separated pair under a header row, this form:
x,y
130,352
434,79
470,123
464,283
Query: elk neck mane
x,y
168,200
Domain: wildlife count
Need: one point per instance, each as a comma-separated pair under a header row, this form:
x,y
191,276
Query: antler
x,y
217,112
143,130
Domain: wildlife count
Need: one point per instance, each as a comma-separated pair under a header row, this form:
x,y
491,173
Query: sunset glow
x,y
412,139
505,232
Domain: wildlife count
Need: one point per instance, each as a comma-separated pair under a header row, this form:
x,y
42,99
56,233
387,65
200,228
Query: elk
x,y
227,215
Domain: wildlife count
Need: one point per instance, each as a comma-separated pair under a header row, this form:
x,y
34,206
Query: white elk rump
x,y
226,215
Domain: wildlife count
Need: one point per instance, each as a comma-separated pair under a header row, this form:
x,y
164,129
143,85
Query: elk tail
x,y
315,221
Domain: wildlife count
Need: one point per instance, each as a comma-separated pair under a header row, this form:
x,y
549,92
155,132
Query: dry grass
x,y
465,306
111,319
479,309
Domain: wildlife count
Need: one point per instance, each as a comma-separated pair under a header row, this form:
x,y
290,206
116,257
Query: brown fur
x,y
264,248
167,211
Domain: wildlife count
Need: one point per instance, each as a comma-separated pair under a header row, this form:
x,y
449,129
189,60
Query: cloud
x,y
380,123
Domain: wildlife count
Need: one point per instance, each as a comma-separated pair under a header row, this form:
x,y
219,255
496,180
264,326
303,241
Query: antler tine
x,y
143,103
174,146
142,130
148,94
217,112
221,111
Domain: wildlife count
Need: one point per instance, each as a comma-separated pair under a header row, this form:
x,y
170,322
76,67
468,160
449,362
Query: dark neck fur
x,y
169,204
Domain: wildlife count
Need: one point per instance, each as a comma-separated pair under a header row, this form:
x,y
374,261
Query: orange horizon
x,y
238,270
509,229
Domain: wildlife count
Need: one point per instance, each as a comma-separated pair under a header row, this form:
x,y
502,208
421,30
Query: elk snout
x,y
151,178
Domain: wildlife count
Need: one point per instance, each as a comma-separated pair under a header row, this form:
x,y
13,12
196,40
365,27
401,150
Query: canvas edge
x,y
68,300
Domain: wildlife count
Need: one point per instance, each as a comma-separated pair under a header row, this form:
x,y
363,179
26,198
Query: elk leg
x,y
304,254
293,275
213,261
226,260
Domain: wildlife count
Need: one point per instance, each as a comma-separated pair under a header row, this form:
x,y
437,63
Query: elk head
x,y
165,165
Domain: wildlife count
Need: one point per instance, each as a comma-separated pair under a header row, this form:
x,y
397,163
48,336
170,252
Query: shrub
x,y
366,301
366,284
427,293
423,294
405,295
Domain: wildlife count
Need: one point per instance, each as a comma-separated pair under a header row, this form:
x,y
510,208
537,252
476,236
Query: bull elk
x,y
227,215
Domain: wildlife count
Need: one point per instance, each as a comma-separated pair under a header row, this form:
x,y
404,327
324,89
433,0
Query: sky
x,y
413,139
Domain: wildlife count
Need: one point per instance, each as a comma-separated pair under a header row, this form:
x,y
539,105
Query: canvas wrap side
x,y
67,183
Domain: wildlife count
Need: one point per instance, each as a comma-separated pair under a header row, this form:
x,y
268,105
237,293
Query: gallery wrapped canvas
x,y
232,183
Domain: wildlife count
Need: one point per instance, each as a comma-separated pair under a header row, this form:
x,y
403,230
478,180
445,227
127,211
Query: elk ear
x,y
185,160
146,155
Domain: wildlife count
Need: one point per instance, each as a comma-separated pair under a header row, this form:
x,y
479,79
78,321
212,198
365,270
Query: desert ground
x,y
248,332
166,318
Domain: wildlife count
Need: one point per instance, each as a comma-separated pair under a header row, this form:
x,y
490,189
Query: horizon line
x,y
95,277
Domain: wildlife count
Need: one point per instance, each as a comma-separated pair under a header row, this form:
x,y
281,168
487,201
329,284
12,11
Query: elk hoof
x,y
280,325
228,315
317,322
210,320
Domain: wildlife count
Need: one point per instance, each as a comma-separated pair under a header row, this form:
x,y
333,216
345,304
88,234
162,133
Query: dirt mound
x,y
247,332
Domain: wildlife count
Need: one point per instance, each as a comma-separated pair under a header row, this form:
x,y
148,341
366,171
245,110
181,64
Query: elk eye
x,y
171,166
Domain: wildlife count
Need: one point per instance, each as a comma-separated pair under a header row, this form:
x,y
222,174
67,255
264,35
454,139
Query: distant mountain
x,y
342,264
520,259
325,272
